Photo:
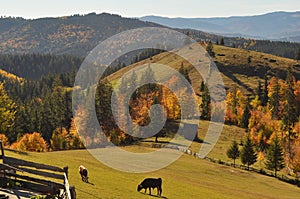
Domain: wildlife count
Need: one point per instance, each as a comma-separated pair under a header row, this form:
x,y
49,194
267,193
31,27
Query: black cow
x,y
151,183
83,173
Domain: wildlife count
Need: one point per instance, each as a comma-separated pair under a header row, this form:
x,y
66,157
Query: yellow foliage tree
x,y
75,140
235,104
4,140
60,139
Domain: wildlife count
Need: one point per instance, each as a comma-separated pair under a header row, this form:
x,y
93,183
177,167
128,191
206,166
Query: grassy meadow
x,y
188,177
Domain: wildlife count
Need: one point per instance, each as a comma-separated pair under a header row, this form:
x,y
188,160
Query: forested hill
x,y
78,34
34,66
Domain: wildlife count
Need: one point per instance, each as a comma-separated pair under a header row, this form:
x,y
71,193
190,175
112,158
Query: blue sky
x,y
137,8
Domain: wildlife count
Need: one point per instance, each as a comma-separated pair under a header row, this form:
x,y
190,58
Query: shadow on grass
x,y
16,151
91,183
155,196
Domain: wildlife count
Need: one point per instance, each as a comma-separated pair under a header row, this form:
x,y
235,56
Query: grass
x,y
238,70
188,177
232,63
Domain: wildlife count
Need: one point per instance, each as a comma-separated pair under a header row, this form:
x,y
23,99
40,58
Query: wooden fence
x,y
42,178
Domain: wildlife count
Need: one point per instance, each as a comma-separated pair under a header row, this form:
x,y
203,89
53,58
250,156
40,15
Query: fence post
x,y
2,150
66,170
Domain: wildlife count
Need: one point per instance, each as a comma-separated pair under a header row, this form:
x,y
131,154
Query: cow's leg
x,y
150,190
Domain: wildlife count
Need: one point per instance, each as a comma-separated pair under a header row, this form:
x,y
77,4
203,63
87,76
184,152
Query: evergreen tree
x,y
222,41
210,49
274,100
202,86
248,155
297,57
246,115
184,72
265,97
205,105
133,83
234,100
249,59
233,152
275,159
259,91
103,104
7,112
289,116
187,40
148,76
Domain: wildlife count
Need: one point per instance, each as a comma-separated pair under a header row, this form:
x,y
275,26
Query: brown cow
x,y
83,173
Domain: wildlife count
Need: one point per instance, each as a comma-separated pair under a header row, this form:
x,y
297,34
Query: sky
x,y
137,8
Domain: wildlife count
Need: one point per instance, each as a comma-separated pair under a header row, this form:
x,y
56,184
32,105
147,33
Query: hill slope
x,y
278,25
233,65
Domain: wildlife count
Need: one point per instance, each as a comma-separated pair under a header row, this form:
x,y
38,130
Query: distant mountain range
x,y
283,26
79,34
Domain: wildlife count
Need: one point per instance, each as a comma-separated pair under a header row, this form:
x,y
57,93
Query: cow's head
x,y
139,187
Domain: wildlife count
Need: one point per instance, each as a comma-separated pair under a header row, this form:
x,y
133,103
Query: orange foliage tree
x,y
295,150
31,142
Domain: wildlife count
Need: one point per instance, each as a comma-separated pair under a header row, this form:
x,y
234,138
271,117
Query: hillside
x,y
186,178
232,63
282,26
75,34
79,34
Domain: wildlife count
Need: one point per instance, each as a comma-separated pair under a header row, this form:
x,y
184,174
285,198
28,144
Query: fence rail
x,y
35,176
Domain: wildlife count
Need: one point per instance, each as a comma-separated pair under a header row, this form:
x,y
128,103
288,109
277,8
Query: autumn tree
x,y
75,140
31,142
235,104
4,140
295,150
275,159
233,152
248,155
60,139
